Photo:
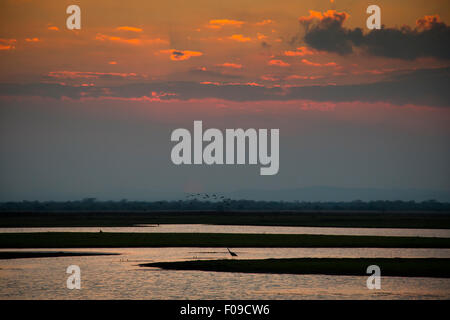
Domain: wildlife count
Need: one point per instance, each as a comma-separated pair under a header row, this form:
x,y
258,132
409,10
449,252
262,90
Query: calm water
x,y
119,277
205,228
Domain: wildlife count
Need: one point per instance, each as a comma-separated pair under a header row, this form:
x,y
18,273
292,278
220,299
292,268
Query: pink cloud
x,y
230,65
88,75
279,63
7,44
300,52
315,64
268,78
298,77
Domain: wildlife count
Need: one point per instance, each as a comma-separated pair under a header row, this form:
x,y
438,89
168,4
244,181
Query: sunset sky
x,y
89,112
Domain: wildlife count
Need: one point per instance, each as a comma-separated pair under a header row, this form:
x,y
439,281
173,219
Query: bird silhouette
x,y
232,253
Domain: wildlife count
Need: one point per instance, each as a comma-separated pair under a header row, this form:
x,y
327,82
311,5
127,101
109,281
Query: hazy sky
x,y
89,112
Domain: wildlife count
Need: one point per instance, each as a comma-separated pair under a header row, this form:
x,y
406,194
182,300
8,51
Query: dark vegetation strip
x,y
220,203
401,267
107,239
373,219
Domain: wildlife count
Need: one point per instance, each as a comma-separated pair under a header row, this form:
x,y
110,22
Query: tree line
x,y
218,204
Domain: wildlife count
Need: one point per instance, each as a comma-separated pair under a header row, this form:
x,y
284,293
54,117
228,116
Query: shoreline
x,y
395,267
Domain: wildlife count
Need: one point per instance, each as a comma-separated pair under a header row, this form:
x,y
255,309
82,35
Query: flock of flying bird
x,y
207,197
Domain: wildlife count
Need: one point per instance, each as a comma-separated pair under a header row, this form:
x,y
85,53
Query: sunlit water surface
x,y
120,277
206,228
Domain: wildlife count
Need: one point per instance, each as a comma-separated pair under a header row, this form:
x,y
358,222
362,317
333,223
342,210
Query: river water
x,y
206,228
120,277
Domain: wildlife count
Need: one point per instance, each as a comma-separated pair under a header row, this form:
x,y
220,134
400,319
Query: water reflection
x,y
205,228
119,277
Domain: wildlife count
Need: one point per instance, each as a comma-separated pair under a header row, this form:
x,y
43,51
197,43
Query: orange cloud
x,y
132,41
428,22
7,44
314,64
327,15
261,36
128,41
112,62
132,29
32,40
230,65
264,22
218,23
300,52
211,83
54,28
103,37
239,38
312,15
279,63
180,55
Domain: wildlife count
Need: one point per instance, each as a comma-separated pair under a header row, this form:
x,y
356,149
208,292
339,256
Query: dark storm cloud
x,y
194,90
326,32
51,90
430,38
183,91
422,87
